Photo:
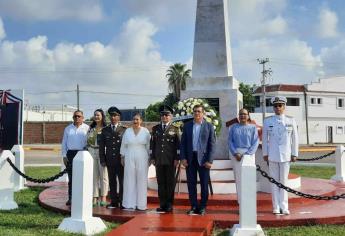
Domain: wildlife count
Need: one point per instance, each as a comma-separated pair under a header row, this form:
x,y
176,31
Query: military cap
x,y
165,109
278,99
114,111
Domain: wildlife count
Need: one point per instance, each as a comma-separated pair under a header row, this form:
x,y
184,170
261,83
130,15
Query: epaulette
x,y
175,125
123,126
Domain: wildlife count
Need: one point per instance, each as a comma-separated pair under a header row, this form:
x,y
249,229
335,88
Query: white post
x,y
339,164
263,184
248,223
7,182
63,178
81,220
18,152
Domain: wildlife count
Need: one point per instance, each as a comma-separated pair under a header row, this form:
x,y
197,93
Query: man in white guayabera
x,y
74,140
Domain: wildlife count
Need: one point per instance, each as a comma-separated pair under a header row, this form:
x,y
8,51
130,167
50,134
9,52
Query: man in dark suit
x,y
197,146
109,154
165,142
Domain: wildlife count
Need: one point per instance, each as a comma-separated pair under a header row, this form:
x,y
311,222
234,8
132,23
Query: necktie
x,y
164,126
114,128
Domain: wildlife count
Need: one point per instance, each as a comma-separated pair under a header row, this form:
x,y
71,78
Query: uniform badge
x,y
171,132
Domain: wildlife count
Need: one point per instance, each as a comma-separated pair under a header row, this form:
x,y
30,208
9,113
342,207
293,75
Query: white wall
x,y
48,116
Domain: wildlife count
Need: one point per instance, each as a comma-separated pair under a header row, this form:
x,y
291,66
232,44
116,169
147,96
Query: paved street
x,y
42,154
51,154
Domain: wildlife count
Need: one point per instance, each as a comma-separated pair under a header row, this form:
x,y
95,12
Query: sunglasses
x,y
278,105
197,111
76,116
165,114
243,114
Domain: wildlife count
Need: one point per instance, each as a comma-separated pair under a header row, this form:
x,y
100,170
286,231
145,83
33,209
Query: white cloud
x,y
42,10
262,18
292,61
333,58
131,64
327,27
276,26
2,30
163,12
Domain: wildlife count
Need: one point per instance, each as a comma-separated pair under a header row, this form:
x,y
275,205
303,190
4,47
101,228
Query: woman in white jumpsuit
x,y
135,158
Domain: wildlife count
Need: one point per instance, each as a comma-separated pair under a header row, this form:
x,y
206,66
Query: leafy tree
x,y
170,100
248,98
177,75
152,113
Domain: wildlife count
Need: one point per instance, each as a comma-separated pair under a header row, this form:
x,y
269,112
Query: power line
x,y
97,92
124,94
50,92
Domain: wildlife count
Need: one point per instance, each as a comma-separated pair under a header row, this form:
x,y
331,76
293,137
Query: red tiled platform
x,y
222,211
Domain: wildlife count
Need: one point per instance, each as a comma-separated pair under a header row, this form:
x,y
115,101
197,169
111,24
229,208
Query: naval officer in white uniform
x,y
280,147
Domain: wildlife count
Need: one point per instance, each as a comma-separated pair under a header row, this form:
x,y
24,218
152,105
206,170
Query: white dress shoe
x,y
286,212
276,211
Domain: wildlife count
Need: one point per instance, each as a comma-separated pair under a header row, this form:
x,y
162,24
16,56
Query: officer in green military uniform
x,y
165,142
109,153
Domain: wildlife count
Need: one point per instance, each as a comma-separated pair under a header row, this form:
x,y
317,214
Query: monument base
x,y
5,202
338,178
237,230
89,226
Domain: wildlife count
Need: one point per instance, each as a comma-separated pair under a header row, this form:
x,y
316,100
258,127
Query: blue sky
x,y
125,46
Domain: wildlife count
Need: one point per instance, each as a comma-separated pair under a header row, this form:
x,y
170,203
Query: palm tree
x,y
177,75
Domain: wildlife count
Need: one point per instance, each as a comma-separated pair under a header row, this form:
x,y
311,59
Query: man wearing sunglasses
x,y
197,150
165,142
279,147
74,140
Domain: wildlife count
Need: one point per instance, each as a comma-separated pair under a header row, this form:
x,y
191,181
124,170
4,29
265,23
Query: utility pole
x,y
263,84
78,96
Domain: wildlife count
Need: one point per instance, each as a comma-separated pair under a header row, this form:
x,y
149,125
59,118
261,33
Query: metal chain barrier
x,y
290,190
317,158
36,180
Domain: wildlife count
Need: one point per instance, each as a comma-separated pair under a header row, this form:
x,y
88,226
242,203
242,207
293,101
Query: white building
x,y
48,113
319,108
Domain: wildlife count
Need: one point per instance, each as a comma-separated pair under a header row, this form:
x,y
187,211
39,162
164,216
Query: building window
x,y
340,103
257,101
339,129
315,101
292,102
268,102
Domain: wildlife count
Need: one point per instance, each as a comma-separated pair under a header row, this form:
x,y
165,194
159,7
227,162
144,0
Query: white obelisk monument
x,y
212,76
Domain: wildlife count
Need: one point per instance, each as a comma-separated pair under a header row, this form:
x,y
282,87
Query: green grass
x,y
42,172
316,230
314,172
31,219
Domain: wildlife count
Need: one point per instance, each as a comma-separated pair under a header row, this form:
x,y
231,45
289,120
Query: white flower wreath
x,y
184,110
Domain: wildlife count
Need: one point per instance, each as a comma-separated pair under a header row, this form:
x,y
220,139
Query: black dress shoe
x,y
169,209
160,210
68,203
202,211
112,206
193,211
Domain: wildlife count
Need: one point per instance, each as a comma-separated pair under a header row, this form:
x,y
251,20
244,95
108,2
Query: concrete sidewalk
x,y
57,147
43,147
